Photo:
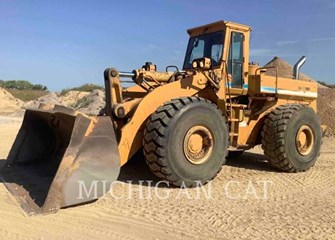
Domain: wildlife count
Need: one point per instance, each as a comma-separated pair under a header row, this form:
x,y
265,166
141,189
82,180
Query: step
x,y
237,105
245,146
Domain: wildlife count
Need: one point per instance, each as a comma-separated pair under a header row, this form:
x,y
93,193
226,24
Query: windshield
x,y
209,45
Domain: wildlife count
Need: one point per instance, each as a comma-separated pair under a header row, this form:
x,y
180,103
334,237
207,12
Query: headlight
x,y
202,63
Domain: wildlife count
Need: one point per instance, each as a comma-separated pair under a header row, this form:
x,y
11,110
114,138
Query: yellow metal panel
x,y
249,132
132,132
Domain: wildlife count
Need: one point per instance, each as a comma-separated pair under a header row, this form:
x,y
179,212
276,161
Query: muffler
x,y
61,158
297,66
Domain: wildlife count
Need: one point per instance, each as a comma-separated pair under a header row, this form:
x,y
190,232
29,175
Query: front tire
x,y
291,138
186,141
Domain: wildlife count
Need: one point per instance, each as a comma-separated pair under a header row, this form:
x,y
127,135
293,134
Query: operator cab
x,y
207,45
226,44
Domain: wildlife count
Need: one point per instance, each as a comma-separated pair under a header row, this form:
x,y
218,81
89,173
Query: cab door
x,y
236,60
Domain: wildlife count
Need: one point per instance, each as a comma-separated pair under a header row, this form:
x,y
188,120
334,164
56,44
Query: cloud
x,y
284,43
261,52
291,42
322,39
270,53
149,48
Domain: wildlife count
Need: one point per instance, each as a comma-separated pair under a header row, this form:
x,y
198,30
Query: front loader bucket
x,y
61,158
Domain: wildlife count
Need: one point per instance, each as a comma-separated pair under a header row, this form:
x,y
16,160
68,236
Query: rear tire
x,y
291,138
186,141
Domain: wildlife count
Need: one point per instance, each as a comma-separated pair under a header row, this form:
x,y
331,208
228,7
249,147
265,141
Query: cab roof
x,y
219,25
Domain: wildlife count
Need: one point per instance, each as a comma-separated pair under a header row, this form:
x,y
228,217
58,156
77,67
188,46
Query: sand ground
x,y
248,200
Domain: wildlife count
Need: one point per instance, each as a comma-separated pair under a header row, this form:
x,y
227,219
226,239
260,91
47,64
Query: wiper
x,y
195,44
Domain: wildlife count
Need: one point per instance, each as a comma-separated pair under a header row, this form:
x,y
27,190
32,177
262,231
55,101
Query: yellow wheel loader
x,y
186,121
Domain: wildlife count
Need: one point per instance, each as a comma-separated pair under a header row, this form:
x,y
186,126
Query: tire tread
x,y
155,138
273,136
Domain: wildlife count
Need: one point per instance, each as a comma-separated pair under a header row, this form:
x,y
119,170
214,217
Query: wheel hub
x,y
198,144
304,140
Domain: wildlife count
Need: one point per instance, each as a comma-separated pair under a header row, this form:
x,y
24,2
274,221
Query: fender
x,y
132,132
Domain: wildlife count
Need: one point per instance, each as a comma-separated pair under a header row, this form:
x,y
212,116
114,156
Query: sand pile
x,y
285,70
326,108
92,103
51,99
8,103
89,103
71,98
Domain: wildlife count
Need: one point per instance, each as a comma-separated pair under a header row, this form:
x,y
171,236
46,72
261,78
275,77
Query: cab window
x,y
235,60
208,45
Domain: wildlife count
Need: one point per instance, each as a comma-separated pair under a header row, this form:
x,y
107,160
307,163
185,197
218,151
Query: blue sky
x,y
67,43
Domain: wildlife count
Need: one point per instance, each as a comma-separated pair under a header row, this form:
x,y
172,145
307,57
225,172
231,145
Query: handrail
x,y
228,88
265,68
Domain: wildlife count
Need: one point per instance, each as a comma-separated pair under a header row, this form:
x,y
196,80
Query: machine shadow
x,y
137,172
2,164
34,178
251,161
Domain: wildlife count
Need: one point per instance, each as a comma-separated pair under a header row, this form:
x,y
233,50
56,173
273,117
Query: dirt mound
x,y
89,103
71,98
285,70
326,108
92,103
8,103
51,98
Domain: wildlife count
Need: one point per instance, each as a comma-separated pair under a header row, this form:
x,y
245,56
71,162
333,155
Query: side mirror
x,y
202,63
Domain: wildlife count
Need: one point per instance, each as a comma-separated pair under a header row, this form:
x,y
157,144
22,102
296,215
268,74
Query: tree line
x,y
88,87
326,84
21,85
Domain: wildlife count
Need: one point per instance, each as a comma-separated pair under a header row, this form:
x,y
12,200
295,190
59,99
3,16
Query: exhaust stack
x,y
297,66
